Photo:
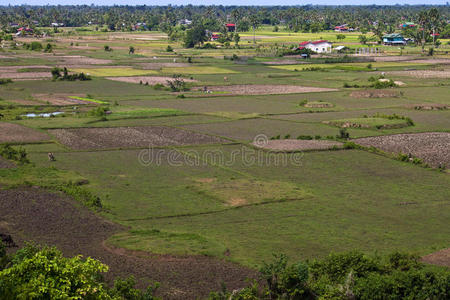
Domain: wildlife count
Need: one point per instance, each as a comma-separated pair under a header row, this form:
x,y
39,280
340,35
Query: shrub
x,y
384,84
343,134
107,48
99,111
5,81
19,155
169,48
287,136
304,137
158,86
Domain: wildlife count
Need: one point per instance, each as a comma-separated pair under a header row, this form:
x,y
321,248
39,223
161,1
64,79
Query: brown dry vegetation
x,y
255,89
292,145
14,133
152,80
130,137
32,214
375,94
432,147
423,73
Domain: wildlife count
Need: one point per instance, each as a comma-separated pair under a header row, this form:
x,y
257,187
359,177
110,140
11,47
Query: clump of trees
x,y
44,273
56,75
351,275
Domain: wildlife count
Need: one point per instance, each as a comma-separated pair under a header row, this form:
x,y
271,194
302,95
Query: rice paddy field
x,y
185,171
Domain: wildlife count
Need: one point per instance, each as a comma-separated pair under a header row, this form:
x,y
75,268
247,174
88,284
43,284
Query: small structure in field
x,y
321,46
22,31
394,39
215,36
343,28
231,27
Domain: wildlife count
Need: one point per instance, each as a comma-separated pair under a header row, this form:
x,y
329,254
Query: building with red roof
x,y
320,46
231,26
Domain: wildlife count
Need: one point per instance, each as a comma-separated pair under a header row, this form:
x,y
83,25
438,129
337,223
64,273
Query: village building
x,y
321,46
343,28
231,27
394,39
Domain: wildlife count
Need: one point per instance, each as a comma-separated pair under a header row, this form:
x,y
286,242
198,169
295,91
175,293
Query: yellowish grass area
x,y
103,72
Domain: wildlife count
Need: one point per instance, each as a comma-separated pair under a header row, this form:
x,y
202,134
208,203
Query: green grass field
x,y
217,200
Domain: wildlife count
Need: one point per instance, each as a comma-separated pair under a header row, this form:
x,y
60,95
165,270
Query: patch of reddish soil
x,y
441,258
423,73
13,133
432,147
130,137
79,60
6,164
33,214
26,75
151,80
375,94
255,89
292,145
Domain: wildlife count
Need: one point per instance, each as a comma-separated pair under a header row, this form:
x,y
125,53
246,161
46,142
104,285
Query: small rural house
x,y
394,39
407,25
343,28
215,36
231,27
24,31
321,46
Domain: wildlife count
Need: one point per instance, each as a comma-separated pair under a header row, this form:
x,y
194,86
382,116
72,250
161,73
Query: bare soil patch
x,y
423,73
14,133
432,147
80,60
130,137
375,94
429,106
256,89
60,99
6,164
32,214
159,65
292,145
392,58
439,61
152,80
399,83
284,62
26,75
441,258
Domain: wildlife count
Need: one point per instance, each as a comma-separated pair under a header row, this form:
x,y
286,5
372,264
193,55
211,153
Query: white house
x,y
321,46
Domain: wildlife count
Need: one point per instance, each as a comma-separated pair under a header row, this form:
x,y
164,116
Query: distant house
x,y
55,24
13,25
407,25
394,39
215,36
321,46
231,26
24,31
185,22
343,28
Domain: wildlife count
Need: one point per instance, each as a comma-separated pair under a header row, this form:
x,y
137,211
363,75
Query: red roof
x,y
230,25
24,28
314,42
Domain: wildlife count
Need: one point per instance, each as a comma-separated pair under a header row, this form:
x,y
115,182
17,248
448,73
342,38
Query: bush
x,y
158,86
19,155
304,137
99,111
169,48
5,81
107,48
384,84
343,134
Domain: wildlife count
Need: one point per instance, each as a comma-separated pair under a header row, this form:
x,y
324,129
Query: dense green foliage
x,y
44,273
351,275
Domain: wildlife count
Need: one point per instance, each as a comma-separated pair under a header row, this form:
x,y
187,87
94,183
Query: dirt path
x,y
441,258
54,219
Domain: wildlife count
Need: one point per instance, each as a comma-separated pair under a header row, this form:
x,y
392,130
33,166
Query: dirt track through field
x,y
130,137
32,214
441,258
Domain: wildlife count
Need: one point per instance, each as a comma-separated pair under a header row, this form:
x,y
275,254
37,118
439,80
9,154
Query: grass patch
x,y
198,70
104,72
160,242
89,100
